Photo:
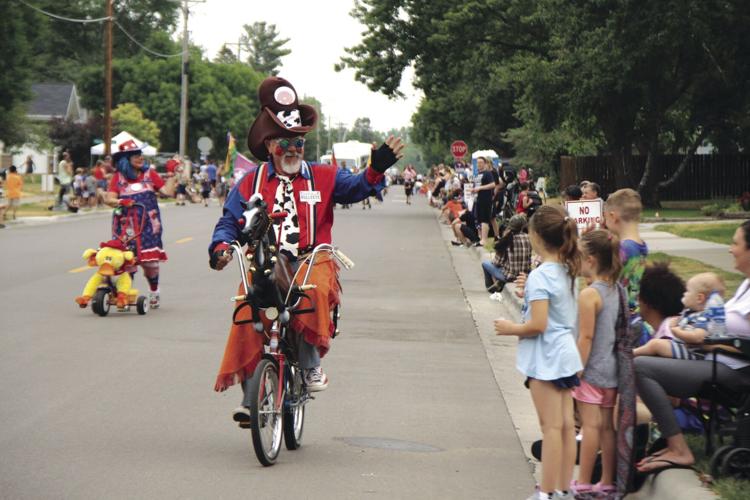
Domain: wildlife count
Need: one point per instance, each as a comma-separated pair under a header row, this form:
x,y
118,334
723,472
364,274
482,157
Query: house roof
x,y
51,99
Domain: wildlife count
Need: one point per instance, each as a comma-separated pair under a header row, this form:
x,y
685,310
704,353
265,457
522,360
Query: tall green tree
x,y
16,54
266,49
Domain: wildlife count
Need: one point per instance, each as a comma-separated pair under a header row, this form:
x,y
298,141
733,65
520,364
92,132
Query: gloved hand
x,y
387,154
220,256
125,202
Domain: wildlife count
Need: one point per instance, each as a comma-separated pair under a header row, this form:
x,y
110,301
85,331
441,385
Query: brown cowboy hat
x,y
280,115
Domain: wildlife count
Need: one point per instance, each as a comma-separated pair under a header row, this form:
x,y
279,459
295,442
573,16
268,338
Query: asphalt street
x,y
123,406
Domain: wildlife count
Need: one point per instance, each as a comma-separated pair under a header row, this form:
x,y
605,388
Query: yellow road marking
x,y
79,269
185,240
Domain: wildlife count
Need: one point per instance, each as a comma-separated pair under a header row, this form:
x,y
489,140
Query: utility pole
x,y
184,93
185,75
108,81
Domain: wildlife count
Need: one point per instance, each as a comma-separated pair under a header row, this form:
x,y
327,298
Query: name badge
x,y
311,197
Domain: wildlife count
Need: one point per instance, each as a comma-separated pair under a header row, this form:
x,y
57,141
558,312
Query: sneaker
x,y
478,244
153,299
316,380
563,495
241,415
497,297
540,495
456,243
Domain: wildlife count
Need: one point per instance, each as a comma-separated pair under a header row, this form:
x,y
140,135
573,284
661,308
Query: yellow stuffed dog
x,y
112,258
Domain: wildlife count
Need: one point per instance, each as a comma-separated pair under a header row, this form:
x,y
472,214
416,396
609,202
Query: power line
x,y
132,39
63,18
100,20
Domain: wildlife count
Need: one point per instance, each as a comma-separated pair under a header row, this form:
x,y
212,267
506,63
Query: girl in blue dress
x,y
547,352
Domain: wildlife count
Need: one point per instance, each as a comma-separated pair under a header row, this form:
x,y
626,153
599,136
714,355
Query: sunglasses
x,y
285,144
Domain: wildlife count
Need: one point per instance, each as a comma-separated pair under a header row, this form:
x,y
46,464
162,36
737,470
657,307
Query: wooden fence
x,y
705,177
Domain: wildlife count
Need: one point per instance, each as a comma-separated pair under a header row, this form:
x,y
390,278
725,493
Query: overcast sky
x,y
318,32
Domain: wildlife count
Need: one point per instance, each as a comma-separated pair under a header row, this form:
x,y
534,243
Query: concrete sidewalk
x,y
707,252
501,353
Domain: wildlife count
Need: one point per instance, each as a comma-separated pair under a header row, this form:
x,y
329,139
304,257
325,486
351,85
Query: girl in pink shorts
x,y
598,307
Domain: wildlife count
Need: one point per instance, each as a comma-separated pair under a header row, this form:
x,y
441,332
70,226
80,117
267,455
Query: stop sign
x,y
459,149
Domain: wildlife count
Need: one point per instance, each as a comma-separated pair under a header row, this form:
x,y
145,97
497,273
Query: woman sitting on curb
x,y
512,256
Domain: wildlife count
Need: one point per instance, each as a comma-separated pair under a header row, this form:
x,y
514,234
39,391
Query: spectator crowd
x,y
599,325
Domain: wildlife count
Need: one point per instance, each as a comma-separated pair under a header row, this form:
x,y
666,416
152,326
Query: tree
x,y
316,140
225,56
620,76
362,131
76,138
16,25
61,48
223,97
261,41
128,117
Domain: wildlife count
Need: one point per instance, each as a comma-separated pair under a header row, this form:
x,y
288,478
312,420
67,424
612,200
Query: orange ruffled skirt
x,y
244,347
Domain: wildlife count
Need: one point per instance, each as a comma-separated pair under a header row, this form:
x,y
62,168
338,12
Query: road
x,y
123,406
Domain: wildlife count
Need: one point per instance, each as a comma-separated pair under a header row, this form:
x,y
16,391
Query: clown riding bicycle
x,y
283,212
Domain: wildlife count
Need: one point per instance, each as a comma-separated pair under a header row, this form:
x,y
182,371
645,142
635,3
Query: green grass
x,y
725,488
718,233
686,268
678,213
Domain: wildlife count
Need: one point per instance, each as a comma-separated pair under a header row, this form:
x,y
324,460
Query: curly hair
x,y
661,289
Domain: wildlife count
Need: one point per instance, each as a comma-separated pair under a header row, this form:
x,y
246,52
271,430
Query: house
x,y
49,101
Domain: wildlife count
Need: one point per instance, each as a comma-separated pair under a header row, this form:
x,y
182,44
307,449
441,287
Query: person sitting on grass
x,y
704,312
512,256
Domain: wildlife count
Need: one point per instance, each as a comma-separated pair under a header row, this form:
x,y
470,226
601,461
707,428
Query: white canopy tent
x,y
119,139
487,153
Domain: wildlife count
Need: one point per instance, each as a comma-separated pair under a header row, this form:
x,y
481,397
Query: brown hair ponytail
x,y
559,234
605,248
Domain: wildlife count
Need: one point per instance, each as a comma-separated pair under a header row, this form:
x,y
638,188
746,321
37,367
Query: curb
x,y
677,484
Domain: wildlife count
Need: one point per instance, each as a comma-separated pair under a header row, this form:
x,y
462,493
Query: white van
x,y
352,154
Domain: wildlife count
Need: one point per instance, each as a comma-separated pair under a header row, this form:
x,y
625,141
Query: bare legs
x,y
598,432
554,407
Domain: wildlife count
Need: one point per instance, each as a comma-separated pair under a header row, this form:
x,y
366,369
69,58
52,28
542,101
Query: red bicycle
x,y
277,390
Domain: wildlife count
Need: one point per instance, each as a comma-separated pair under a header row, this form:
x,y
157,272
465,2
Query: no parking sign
x,y
586,213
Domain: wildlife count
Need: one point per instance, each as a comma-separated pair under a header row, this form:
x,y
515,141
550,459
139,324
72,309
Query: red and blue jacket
x,y
335,185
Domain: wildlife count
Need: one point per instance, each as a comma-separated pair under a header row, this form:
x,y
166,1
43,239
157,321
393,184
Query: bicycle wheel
x,y
265,420
294,409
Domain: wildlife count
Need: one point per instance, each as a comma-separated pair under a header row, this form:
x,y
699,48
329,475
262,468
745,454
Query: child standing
x,y
547,352
598,309
13,186
622,214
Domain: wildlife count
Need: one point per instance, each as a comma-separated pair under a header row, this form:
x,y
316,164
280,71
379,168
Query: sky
x,y
318,31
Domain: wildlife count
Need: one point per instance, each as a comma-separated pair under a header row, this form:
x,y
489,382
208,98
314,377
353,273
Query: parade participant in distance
x,y
135,182
308,194
409,176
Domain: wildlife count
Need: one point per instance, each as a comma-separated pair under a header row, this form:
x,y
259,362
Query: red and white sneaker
x,y
316,380
153,299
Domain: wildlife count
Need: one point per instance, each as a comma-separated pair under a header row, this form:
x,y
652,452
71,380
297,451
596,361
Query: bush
x,y
719,208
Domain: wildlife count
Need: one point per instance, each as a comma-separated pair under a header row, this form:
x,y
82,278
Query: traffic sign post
x,y
459,149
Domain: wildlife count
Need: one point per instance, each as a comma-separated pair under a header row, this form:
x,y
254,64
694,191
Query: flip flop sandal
x,y
669,465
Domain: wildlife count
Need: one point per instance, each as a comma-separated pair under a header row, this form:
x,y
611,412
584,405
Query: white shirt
x,y
737,310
